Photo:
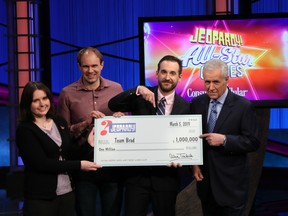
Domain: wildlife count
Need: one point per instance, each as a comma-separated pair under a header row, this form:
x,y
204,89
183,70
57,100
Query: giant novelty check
x,y
148,140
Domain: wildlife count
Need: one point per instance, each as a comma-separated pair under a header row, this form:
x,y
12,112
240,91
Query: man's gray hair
x,y
216,64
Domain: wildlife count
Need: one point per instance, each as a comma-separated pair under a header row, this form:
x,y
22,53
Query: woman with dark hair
x,y
45,147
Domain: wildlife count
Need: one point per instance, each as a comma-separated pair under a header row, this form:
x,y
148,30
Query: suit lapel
x,y
225,111
205,107
155,90
175,105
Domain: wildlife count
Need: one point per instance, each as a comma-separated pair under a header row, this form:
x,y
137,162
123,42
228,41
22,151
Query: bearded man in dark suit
x,y
158,184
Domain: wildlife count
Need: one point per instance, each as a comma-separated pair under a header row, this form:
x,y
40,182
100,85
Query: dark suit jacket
x,y
40,155
163,178
225,169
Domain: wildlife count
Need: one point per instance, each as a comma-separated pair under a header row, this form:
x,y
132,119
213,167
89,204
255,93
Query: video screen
x,y
255,49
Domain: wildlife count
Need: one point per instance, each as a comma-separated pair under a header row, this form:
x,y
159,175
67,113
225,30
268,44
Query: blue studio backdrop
x,y
111,26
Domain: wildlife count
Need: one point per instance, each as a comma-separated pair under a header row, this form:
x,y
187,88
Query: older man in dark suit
x,y
158,185
222,182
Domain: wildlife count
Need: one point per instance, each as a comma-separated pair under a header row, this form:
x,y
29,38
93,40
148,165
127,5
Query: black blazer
x,y
226,168
40,155
163,178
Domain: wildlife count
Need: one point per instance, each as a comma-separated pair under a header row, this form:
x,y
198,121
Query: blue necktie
x,y
161,107
213,116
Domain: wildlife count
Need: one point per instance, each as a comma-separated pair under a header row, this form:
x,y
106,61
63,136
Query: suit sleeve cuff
x,y
225,140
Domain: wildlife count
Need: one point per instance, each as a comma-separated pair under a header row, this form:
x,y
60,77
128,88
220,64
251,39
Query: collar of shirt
x,y
222,98
80,84
169,101
221,101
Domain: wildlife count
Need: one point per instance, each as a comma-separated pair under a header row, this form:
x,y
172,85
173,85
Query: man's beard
x,y
164,89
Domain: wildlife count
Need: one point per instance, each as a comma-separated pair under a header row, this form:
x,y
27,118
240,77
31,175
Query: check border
x,y
148,140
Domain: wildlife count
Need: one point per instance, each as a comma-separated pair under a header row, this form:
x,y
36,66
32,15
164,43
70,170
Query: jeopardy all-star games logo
x,y
108,125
